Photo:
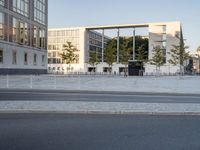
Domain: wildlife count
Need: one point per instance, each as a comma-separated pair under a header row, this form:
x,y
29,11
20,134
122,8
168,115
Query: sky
x,y
75,13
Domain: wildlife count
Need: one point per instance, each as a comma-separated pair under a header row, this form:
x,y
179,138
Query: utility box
x,y
135,68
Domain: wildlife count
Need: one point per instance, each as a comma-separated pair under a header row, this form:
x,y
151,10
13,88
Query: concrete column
x,y
103,46
118,45
133,43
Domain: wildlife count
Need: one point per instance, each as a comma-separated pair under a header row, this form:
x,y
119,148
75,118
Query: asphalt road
x,y
23,95
98,132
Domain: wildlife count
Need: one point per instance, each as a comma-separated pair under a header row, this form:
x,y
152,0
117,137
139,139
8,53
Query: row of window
x,y
23,6
74,40
26,56
96,36
60,46
68,33
22,31
60,61
39,11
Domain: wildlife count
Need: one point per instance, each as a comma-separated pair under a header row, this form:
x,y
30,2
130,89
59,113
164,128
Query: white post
x,y
118,45
31,82
102,46
55,82
7,81
133,43
79,83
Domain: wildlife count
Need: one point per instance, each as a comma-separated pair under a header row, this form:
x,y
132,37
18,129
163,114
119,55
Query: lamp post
x,y
198,54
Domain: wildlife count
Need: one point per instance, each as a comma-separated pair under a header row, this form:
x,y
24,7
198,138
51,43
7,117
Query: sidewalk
x,y
183,85
98,108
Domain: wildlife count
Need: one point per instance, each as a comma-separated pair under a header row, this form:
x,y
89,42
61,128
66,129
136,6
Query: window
x,y
14,58
21,6
20,31
107,69
40,11
43,60
164,28
25,58
39,39
2,2
35,59
1,25
1,56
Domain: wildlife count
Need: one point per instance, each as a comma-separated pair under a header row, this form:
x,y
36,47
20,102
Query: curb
x,y
101,113
99,92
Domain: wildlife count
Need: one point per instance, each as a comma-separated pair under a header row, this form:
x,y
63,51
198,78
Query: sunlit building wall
x,y
83,40
23,36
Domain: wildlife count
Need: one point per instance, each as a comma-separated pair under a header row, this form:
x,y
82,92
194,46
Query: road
x,y
98,132
25,95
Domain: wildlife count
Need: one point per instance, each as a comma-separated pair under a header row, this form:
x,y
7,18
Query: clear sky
x,y
68,13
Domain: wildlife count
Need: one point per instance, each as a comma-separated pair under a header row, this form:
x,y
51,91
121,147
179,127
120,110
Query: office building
x,y
163,34
23,36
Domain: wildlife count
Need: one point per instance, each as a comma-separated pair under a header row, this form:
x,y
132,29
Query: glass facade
x,y
2,2
20,32
40,11
1,25
23,32
21,7
1,56
95,43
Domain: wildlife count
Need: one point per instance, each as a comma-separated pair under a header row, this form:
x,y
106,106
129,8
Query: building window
x,y
25,58
21,7
20,31
1,56
2,2
39,39
14,58
40,11
1,25
164,28
43,60
35,59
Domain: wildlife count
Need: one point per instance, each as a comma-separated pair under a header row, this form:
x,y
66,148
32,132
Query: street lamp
x,y
198,54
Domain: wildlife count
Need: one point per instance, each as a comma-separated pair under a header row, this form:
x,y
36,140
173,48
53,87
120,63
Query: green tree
x,y
158,58
110,54
198,55
94,60
125,55
141,56
179,54
139,41
69,55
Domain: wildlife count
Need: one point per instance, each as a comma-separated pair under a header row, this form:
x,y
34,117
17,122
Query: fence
x,y
103,83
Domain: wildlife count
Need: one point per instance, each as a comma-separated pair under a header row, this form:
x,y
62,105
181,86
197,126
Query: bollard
x,y
55,82
31,82
7,81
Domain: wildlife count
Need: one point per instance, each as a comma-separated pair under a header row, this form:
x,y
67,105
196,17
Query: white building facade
x,y
86,39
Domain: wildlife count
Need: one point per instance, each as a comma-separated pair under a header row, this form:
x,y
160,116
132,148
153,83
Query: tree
x,y
125,55
94,60
198,55
158,58
141,56
110,54
69,55
179,54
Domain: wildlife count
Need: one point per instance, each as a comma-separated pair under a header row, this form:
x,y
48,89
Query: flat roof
x,y
118,26
121,26
144,25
